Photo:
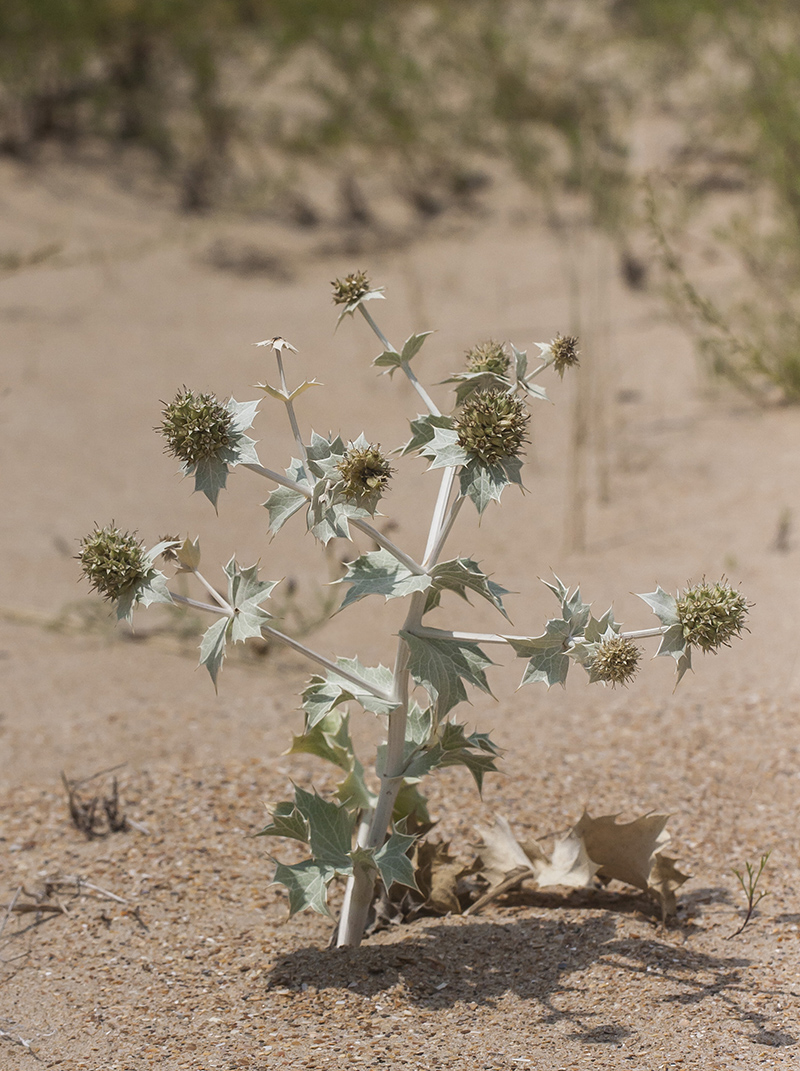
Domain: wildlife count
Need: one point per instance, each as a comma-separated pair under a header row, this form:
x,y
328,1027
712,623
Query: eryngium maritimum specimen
x,y
351,288
616,661
491,426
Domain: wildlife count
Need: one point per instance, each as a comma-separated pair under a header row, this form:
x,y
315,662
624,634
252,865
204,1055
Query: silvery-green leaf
x,y
289,396
410,803
243,413
468,382
605,628
307,884
330,830
245,592
673,644
439,665
484,483
210,477
423,429
282,504
419,724
380,573
462,575
663,606
212,647
443,449
520,363
329,739
286,821
393,863
153,588
548,660
535,391
454,748
391,360
353,792
189,554
323,694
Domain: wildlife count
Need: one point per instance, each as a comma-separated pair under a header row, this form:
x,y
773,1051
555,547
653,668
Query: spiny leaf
x,y
286,821
330,829
322,694
212,647
282,504
245,592
392,861
443,450
307,884
484,483
423,430
663,606
462,575
625,850
440,665
188,554
548,660
391,360
380,573
330,739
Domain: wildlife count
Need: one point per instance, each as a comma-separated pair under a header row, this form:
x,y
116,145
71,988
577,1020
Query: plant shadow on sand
x,y
535,959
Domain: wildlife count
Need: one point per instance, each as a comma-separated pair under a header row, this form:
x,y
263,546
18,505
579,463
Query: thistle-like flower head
x,y
491,426
564,349
196,427
489,356
711,614
352,288
616,661
113,562
365,474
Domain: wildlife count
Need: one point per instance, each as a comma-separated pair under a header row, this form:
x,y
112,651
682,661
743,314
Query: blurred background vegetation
x,y
234,103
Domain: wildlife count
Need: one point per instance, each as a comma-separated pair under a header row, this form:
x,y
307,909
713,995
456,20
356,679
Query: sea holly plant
x,y
368,833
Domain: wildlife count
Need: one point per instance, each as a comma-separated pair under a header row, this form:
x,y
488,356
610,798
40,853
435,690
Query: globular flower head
x,y
616,661
113,561
365,474
491,426
564,349
196,427
711,614
351,288
488,357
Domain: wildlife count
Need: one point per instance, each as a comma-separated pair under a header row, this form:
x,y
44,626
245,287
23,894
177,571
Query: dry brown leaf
x,y
437,873
624,850
665,880
501,853
570,865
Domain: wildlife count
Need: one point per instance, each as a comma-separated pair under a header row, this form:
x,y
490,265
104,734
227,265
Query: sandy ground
x,y
194,964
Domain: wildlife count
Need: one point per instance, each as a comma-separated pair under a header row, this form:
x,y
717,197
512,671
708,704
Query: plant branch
x,y
213,592
644,633
326,663
290,408
403,364
201,605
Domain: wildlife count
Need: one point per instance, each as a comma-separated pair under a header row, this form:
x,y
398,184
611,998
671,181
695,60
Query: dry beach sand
x,y
194,965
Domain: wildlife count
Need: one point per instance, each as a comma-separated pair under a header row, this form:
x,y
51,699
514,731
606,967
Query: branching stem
x,y
432,407
201,605
290,409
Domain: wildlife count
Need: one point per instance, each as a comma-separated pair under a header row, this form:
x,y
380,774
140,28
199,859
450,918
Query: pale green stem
x,y
439,512
643,633
454,511
290,409
201,605
215,595
541,368
415,383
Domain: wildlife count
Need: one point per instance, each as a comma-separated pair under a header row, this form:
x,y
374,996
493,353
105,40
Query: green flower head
x,y
491,426
365,474
196,426
564,349
113,562
616,661
352,288
711,614
488,357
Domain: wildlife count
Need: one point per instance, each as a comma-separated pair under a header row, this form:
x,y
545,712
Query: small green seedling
x,y
749,882
364,834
